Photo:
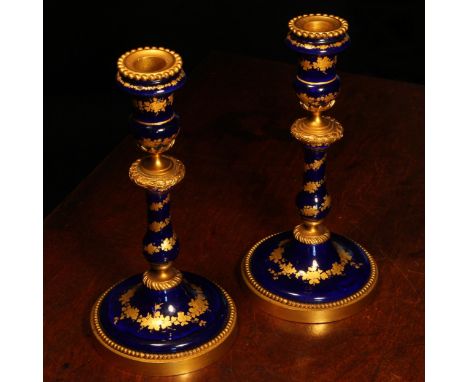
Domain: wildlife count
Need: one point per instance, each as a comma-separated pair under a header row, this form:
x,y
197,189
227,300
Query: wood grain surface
x,y
243,171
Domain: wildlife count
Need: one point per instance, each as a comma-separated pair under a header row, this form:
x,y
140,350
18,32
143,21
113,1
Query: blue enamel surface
x,y
315,75
316,90
313,80
153,119
310,156
173,339
317,198
156,238
141,130
303,256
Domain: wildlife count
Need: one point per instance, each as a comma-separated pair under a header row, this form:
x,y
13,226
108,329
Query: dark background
x,y
85,116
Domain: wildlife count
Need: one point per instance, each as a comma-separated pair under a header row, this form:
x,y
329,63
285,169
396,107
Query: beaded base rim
x,y
164,364
303,312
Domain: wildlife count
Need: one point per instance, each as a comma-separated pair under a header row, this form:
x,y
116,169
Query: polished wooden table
x,y
243,171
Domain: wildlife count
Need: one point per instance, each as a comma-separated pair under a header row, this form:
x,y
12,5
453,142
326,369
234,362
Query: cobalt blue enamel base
x,y
304,257
197,307
309,283
165,332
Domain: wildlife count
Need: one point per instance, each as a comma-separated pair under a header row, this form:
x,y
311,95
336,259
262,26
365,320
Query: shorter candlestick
x,y
310,274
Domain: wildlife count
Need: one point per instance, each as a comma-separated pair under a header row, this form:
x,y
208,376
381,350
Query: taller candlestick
x,y
309,274
164,321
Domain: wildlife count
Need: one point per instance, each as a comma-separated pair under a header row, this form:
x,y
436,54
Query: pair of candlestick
x,y
167,322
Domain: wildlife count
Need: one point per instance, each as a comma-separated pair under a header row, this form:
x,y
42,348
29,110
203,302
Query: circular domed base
x,y
161,333
287,280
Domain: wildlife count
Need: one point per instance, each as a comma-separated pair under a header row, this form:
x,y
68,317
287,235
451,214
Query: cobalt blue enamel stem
x,y
314,196
160,234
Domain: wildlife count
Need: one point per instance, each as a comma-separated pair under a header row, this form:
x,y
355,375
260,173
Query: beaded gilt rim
x,y
335,304
300,32
128,85
149,357
157,75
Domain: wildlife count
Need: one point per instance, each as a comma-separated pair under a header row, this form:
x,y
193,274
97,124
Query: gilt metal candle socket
x,y
164,321
309,274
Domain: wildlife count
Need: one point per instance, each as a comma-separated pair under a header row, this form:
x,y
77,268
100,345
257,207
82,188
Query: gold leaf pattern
x,y
154,105
314,210
317,101
160,205
306,64
322,64
156,321
310,211
313,275
158,226
313,186
326,202
166,245
150,248
316,164
156,143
